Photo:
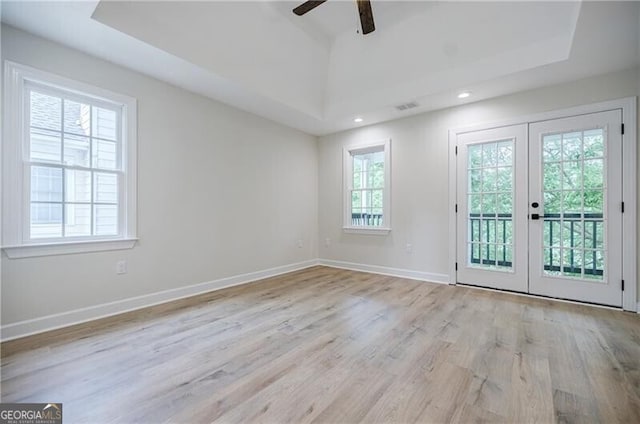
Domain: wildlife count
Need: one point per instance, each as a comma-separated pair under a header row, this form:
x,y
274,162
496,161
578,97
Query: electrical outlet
x,y
121,267
409,248
300,243
327,242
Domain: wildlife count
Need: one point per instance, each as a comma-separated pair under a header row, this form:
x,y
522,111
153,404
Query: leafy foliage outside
x,y
368,186
573,174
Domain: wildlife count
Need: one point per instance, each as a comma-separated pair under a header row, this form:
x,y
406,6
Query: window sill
x,y
377,231
67,248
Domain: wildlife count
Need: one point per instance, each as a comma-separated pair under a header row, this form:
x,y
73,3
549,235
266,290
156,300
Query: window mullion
x,y
64,173
93,231
64,191
74,167
91,164
62,131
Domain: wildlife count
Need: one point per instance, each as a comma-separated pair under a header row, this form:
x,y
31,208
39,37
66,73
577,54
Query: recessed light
x,y
358,120
464,95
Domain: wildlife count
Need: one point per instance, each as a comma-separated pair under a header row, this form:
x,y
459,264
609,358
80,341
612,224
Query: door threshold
x,y
539,296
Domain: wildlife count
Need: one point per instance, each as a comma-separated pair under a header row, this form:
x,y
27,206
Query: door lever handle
x,y
535,216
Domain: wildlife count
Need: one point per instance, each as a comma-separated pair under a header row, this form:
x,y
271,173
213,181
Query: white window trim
x,y
347,177
14,241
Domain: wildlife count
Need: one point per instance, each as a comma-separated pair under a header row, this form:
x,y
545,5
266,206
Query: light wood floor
x,y
328,345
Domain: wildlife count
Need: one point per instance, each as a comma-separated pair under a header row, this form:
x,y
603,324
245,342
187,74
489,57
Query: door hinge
x,y
456,208
456,266
456,150
622,207
622,129
622,285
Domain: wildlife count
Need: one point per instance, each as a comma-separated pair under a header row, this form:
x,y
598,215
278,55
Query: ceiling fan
x,y
364,8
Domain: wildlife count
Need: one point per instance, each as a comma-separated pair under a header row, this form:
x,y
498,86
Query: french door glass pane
x,y
490,205
574,189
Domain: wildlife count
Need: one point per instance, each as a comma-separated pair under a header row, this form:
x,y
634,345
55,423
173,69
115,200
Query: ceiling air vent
x,y
407,106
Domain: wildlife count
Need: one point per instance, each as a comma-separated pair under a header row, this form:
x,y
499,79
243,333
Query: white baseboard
x,y
394,272
78,316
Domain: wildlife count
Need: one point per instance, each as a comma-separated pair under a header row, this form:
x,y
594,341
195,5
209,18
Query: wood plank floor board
x,y
412,392
473,414
571,408
449,385
487,394
617,400
326,345
531,390
574,379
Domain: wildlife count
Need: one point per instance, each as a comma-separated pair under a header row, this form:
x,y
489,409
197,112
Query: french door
x,y
539,208
576,180
492,210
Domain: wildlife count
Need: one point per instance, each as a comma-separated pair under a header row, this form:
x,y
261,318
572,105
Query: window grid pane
x,y
45,145
367,193
71,198
574,189
46,220
490,204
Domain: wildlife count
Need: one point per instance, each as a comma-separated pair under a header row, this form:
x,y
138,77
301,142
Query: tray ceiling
x,y
317,73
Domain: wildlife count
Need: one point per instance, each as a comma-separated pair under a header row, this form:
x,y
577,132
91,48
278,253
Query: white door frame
x,y
629,183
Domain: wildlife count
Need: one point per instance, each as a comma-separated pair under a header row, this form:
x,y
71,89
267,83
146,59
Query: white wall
x,y
419,157
221,193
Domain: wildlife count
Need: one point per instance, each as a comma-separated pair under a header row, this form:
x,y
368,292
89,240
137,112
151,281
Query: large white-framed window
x,y
69,166
367,188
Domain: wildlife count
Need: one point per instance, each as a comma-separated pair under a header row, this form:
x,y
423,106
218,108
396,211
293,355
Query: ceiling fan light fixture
x,y
464,95
364,10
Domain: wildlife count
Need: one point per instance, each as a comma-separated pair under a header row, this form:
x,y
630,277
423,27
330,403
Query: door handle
x,y
535,216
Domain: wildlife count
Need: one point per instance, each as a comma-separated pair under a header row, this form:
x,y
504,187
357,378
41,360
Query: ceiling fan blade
x,y
366,16
307,6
